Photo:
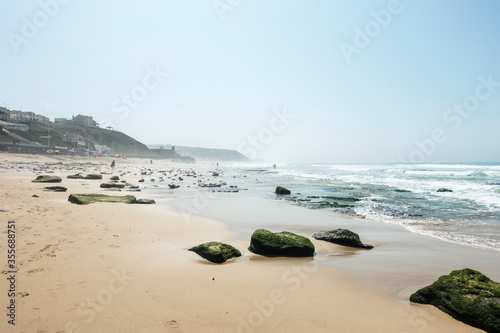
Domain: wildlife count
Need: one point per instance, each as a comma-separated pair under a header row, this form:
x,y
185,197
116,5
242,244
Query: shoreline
x,y
126,268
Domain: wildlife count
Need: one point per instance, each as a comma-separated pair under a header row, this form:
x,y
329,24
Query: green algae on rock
x,y
85,199
216,252
282,243
342,237
47,179
55,188
466,295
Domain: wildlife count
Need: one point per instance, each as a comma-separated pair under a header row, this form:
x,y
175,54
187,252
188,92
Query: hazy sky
x,y
298,81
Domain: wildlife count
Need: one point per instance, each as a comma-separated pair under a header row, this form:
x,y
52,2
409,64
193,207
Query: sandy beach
x,y
109,267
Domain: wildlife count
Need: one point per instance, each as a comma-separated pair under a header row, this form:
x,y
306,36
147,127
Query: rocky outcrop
x,y
444,190
466,295
342,237
284,244
281,190
92,176
47,179
216,252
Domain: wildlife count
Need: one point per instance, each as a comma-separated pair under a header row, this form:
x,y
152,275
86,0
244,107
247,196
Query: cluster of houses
x,y
19,120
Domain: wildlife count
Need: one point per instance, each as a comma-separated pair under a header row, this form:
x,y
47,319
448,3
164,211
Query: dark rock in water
x,y
401,191
77,176
342,237
47,179
444,190
466,295
92,176
56,188
283,243
282,190
216,252
141,180
145,201
112,185
85,199
173,187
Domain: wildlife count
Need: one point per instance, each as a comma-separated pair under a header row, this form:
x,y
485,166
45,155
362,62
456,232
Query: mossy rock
x,y
466,295
55,188
216,252
112,185
145,201
77,176
47,179
115,178
283,243
92,176
281,190
342,237
85,199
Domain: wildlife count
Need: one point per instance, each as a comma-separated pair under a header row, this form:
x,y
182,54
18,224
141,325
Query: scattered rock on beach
x,y
114,178
85,199
282,190
282,243
342,237
92,176
216,252
111,185
55,188
47,179
444,190
76,176
466,295
145,201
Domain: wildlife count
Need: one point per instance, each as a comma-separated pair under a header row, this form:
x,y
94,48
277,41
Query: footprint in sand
x,y
22,294
34,270
172,324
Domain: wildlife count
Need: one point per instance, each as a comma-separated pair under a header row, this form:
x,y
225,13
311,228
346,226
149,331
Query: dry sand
x,y
125,268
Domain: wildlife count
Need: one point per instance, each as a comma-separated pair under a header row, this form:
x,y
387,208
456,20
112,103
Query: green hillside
x,y
118,141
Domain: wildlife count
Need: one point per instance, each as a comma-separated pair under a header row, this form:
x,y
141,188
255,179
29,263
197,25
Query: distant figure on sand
x,y
113,165
151,161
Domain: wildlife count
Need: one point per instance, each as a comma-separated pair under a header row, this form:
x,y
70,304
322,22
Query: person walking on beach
x,y
113,165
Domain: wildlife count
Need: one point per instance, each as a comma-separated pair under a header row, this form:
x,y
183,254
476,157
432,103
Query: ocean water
x,y
403,194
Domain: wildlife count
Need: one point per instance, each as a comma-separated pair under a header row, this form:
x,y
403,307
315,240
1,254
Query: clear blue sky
x,y
230,67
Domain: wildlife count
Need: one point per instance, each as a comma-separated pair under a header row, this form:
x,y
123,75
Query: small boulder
x,y
466,295
92,176
342,237
444,190
55,188
216,252
76,176
112,185
283,243
282,190
47,179
145,201
114,178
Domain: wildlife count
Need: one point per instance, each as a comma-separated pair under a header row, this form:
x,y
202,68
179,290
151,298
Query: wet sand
x,y
111,267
